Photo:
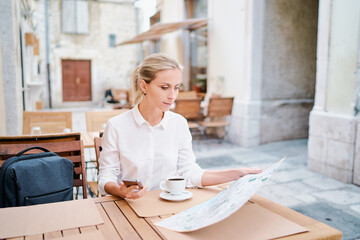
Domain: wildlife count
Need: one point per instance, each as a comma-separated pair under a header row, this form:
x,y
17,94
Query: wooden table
x,y
88,138
121,222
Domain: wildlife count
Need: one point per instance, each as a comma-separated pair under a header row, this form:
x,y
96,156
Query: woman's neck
x,y
151,114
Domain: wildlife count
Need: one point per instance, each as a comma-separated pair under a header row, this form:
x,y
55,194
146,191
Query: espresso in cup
x,y
174,185
176,179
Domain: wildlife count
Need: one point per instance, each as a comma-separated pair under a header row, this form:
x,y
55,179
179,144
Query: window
x,y
75,16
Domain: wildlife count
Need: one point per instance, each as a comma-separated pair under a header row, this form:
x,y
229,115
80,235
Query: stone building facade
x,y
72,30
107,23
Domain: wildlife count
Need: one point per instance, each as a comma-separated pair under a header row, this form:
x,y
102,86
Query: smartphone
x,y
131,182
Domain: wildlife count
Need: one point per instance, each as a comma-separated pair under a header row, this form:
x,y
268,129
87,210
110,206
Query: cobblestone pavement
x,y
293,185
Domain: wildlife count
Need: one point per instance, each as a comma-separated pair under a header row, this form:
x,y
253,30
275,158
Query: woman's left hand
x,y
222,176
245,171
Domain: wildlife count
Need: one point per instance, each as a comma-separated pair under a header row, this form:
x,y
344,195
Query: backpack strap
x,y
30,148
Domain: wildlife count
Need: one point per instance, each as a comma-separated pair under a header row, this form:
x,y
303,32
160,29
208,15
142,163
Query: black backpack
x,y
35,179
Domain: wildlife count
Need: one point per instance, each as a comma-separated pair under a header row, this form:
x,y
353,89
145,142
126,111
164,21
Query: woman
x,y
151,143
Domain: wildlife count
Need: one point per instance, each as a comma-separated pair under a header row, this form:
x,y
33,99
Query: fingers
x,y
245,171
132,192
123,187
137,193
254,170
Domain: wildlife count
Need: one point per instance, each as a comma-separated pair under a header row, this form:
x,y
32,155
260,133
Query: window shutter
x,y
75,16
82,17
68,16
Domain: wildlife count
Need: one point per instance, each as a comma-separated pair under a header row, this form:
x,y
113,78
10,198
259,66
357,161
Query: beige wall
x,y
234,63
288,68
175,44
343,55
334,147
227,50
171,43
289,58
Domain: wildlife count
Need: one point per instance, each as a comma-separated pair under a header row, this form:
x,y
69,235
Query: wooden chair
x,y
49,122
95,120
218,109
120,94
187,95
93,185
68,145
123,97
191,110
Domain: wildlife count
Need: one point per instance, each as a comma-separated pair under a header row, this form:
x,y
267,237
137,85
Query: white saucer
x,y
182,197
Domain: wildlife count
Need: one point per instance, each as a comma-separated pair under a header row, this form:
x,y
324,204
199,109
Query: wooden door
x,y
76,75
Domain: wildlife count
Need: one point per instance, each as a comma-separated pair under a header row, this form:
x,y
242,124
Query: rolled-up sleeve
x,y
109,162
187,166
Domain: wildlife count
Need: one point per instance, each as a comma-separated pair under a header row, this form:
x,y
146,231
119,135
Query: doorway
x,y
76,80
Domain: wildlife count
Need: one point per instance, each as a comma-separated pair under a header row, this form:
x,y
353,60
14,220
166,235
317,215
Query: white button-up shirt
x,y
132,148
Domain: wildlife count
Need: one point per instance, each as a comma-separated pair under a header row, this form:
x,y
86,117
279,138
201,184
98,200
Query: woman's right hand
x,y
121,190
132,192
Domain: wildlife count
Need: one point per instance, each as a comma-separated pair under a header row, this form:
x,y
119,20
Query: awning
x,y
159,29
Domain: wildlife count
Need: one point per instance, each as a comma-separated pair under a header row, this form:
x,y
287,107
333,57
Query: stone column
x,y
333,125
234,63
356,171
2,100
11,65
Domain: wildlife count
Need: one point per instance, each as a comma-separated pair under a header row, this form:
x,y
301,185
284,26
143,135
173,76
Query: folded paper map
x,y
221,206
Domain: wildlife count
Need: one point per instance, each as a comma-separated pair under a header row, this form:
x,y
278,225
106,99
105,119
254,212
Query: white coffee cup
x,y
174,185
35,131
67,130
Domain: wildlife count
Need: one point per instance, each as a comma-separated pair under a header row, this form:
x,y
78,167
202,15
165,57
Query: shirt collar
x,y
137,115
139,119
165,120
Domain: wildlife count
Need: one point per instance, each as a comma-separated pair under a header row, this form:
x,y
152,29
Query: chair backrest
x,y
95,120
188,108
98,149
219,107
49,122
187,95
68,145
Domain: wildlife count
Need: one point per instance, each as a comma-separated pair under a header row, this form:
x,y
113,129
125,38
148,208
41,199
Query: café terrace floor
x,y
293,185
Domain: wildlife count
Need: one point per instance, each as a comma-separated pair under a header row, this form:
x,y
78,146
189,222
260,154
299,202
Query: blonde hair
x,y
147,71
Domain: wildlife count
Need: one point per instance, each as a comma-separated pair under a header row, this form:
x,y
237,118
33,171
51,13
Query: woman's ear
x,y
143,86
